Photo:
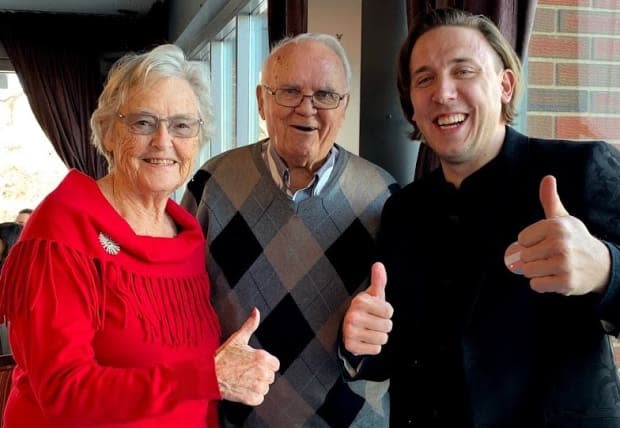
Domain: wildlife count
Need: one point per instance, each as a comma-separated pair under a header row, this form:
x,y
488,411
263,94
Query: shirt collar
x,y
280,173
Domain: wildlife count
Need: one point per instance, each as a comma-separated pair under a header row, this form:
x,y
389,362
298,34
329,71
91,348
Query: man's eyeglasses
x,y
292,97
147,124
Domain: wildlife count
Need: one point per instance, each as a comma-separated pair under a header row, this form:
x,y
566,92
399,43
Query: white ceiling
x,y
105,7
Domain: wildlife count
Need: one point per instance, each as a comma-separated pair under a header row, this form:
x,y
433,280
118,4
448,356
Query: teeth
x,y
450,119
160,161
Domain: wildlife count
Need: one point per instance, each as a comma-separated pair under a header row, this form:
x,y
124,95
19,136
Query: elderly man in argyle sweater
x,y
291,223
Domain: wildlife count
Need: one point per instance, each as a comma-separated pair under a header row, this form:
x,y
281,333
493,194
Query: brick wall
x,y
574,70
574,73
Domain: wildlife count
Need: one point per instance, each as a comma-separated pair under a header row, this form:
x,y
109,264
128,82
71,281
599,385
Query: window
x,y
29,166
235,56
234,53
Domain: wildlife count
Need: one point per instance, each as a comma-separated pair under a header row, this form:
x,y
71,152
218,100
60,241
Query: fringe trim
x,y
171,311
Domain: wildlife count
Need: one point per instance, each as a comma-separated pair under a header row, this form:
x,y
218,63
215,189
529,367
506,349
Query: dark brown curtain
x,y
286,18
62,66
514,18
62,83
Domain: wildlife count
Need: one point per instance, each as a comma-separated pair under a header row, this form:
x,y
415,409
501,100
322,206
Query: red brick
x,y
559,47
545,21
606,4
606,49
581,21
540,126
605,102
585,127
540,73
557,100
580,74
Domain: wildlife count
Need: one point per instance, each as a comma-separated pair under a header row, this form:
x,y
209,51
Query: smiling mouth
x,y
450,120
160,161
305,128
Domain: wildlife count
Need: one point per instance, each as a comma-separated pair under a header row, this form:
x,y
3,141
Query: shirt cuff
x,y
351,363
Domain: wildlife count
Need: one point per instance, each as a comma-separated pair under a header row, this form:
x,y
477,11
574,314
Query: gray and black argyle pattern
x,y
299,263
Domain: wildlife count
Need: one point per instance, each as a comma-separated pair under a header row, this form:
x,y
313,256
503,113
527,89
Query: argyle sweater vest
x,y
299,263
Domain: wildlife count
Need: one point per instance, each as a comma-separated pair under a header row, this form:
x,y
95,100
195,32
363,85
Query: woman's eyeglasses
x,y
147,124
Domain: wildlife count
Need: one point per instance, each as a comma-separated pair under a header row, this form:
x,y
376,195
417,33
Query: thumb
x,y
378,279
249,327
550,199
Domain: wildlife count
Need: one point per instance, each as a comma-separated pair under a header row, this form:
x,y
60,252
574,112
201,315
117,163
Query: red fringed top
x,y
108,328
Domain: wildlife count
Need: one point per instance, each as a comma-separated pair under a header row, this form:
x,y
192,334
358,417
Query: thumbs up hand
x,y
367,322
558,253
244,373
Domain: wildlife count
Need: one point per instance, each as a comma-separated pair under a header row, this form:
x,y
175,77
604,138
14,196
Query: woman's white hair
x,y
134,70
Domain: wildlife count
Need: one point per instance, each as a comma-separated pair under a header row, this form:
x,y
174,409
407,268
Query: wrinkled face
x,y
457,90
303,135
160,162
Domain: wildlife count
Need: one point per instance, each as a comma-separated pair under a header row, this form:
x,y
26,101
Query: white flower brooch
x,y
108,245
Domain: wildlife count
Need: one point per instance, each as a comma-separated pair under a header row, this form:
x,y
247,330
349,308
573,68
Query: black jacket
x,y
473,345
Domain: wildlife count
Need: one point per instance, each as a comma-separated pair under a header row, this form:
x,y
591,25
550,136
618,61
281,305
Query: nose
x,y
162,137
305,106
445,90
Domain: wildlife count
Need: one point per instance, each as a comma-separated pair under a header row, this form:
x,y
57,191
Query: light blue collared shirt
x,y
281,175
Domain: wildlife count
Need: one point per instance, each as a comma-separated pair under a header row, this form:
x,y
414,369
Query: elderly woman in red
x,y
106,293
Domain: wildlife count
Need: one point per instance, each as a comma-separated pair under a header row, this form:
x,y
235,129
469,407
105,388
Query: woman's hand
x,y
244,373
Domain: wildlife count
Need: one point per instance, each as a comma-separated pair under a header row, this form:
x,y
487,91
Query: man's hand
x,y
559,254
244,373
367,322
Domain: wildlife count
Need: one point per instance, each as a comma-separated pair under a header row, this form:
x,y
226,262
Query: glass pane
x,y
229,81
29,166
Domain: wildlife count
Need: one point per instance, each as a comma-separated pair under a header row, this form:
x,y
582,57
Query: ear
x,y
260,99
344,104
508,85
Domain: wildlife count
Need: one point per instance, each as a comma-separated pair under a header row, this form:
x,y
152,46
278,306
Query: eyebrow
x,y
457,60
180,115
327,88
